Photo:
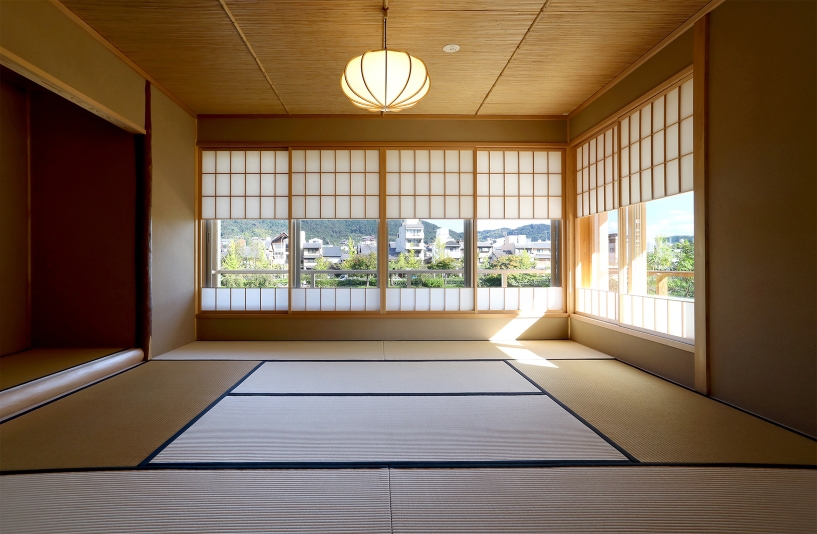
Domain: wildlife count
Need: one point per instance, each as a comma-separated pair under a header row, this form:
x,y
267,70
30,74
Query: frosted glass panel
x,y
236,188
337,184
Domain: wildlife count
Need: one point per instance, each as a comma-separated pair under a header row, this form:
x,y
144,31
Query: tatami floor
x,y
518,436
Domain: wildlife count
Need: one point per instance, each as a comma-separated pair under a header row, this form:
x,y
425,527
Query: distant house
x,y
332,254
279,248
311,251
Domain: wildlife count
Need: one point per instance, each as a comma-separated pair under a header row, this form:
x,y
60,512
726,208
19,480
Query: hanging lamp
x,y
385,80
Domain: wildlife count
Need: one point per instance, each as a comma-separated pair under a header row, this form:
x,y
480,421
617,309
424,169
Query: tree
x,y
668,256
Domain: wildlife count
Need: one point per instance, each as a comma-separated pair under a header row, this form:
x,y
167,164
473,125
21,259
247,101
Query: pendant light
x,y
385,80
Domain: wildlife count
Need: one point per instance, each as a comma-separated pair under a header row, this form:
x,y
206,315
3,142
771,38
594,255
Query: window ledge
x,y
688,347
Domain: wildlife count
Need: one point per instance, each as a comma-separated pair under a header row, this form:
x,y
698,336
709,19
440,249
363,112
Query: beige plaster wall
x,y
762,211
174,140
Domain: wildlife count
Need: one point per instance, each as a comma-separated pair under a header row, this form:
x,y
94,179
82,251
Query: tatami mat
x,y
488,350
387,429
277,350
657,421
604,499
316,501
16,369
119,421
385,377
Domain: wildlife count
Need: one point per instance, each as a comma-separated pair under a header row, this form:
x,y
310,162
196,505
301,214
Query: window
x,y
518,260
635,265
247,265
430,265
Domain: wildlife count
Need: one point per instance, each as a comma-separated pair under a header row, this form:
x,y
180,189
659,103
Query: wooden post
x,y
661,285
144,252
700,125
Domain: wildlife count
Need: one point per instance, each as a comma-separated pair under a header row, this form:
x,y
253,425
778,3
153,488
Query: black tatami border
x,y
463,394
598,432
190,423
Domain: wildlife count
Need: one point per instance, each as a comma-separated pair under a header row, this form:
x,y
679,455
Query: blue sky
x,y
667,216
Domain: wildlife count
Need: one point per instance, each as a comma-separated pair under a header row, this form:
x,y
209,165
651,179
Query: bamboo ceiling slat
x,y
577,47
307,45
191,47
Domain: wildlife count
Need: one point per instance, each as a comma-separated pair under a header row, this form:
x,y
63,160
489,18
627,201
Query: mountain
x,y
248,228
534,232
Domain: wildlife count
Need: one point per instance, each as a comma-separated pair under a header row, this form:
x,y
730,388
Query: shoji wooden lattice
x,y
335,184
597,174
519,184
245,184
656,147
436,184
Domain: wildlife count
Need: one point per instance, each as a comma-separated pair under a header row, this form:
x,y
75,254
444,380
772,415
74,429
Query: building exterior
x,y
410,238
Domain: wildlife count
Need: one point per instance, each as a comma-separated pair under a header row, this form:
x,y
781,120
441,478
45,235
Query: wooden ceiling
x,y
195,48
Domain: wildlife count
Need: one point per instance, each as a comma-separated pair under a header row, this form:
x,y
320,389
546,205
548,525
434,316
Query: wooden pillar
x,y
144,253
700,127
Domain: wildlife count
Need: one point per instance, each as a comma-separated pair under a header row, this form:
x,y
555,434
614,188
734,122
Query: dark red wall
x,y
83,195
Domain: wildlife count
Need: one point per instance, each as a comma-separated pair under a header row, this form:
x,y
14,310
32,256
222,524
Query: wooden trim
x,y
293,261
664,87
569,224
144,215
198,272
475,239
39,76
650,53
700,127
118,53
633,332
513,54
383,236
379,116
237,145
28,220
376,315
253,54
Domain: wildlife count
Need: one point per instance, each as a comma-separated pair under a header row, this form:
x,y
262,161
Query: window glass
x,y
429,252
517,253
336,252
248,253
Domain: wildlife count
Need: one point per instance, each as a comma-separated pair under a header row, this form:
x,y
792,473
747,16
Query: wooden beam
x,y
701,165
650,53
39,76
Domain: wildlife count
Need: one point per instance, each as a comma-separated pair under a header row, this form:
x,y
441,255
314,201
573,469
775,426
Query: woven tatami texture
x,y
16,369
385,377
657,421
489,350
387,429
119,421
277,350
604,499
319,501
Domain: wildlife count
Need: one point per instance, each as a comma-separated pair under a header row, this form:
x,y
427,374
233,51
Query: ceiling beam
x,y
518,46
252,52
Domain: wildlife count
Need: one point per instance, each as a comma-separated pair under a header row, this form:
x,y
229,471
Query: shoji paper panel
x,y
540,299
598,303
656,147
437,184
668,316
244,299
245,184
429,299
597,174
519,184
335,184
336,299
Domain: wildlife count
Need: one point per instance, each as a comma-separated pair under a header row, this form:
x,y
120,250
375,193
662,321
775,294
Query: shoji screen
x,y
245,184
656,147
597,174
436,184
519,184
335,184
